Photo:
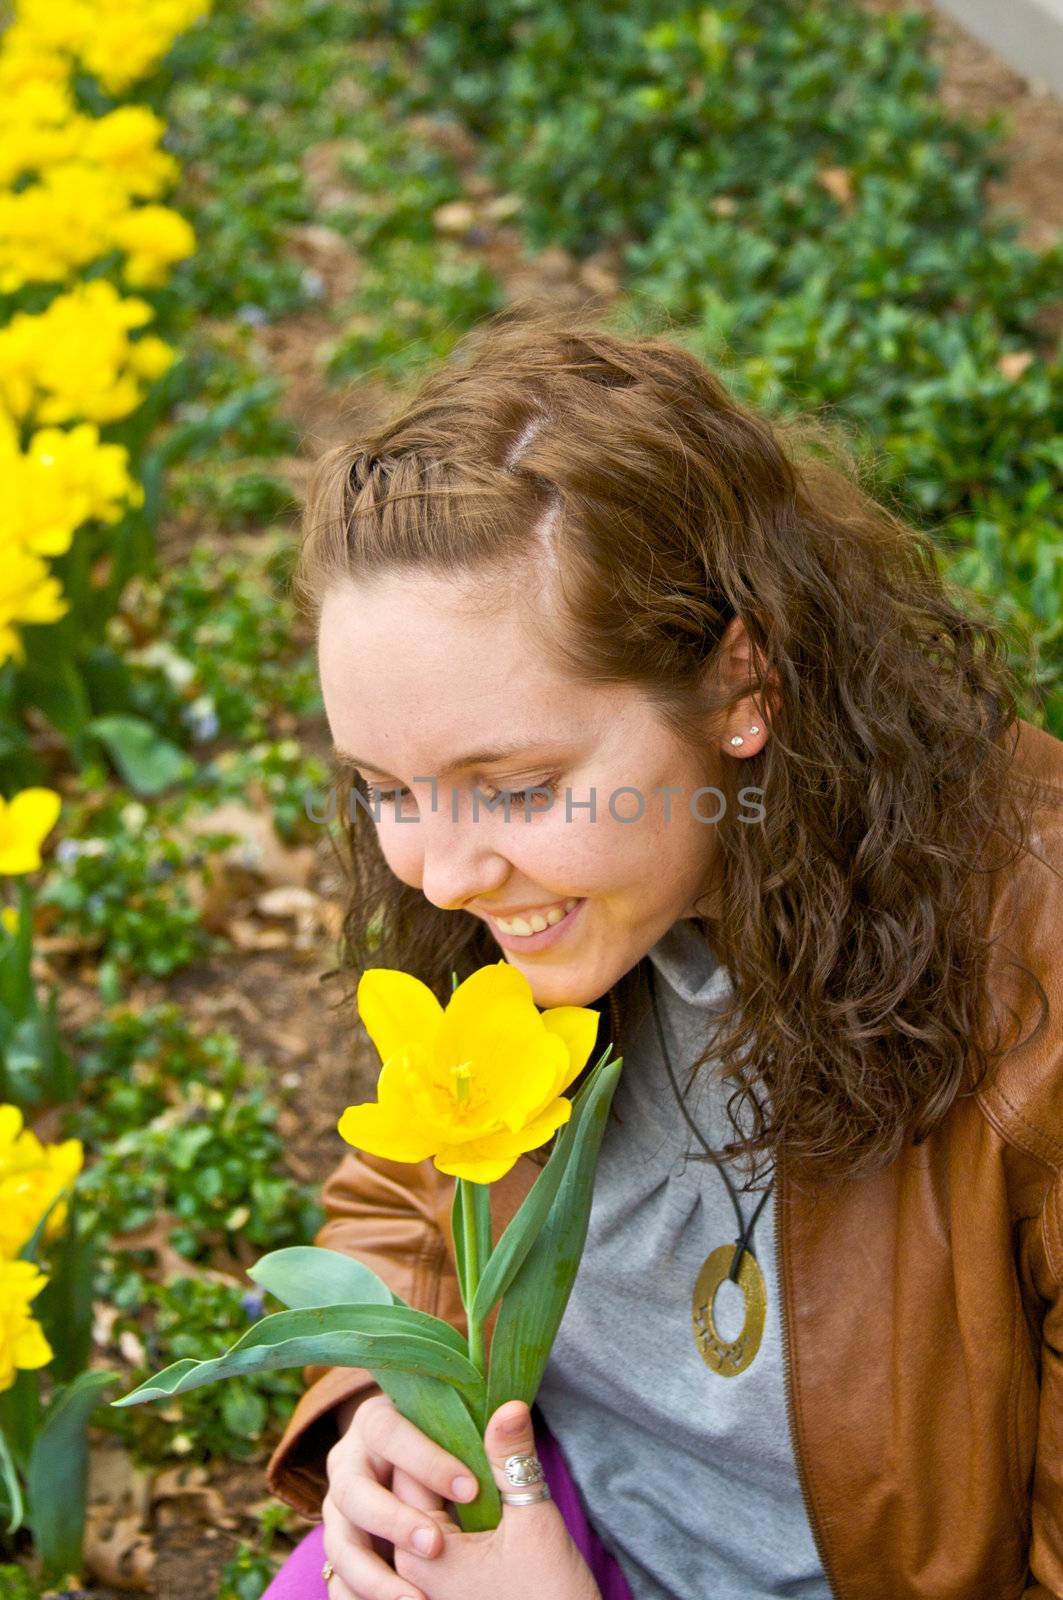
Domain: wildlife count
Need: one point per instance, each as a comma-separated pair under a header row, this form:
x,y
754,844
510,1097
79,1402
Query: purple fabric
x,y
606,1569
300,1577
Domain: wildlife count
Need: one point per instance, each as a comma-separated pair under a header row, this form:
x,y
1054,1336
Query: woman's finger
x,y
390,1437
413,1492
338,1590
359,1571
510,1434
374,1510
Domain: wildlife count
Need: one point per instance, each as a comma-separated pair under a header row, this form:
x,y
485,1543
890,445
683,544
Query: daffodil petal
x,y
536,1132
397,1010
405,1082
34,812
24,822
10,1125
488,1159
31,1349
578,1027
371,1128
482,988
516,1061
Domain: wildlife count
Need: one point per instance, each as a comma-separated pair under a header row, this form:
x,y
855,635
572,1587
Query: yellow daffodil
x,y
63,477
117,41
474,1085
32,1175
153,238
76,358
28,593
25,820
22,1344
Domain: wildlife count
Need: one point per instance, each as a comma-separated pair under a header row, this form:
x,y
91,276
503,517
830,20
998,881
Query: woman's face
x,y
420,685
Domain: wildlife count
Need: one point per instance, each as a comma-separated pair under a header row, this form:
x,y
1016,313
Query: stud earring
x,y
737,737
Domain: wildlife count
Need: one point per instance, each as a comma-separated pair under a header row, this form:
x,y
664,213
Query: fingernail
x,y
514,1424
423,1540
464,1488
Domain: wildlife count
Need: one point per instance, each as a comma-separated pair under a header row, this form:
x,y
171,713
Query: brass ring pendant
x,y
729,1356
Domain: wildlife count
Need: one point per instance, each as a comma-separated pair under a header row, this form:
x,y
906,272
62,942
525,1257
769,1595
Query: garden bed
x,y
319,170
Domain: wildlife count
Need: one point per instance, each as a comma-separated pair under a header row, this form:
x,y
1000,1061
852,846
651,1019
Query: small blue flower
x,y
253,1302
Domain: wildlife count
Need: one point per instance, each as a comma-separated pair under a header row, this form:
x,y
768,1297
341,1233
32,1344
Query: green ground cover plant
x,y
793,201
184,1161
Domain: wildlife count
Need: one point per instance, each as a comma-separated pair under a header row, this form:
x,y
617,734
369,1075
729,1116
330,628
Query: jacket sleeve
x,y
394,1216
1046,1537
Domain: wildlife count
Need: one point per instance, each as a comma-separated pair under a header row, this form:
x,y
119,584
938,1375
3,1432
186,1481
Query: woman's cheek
x,y
401,851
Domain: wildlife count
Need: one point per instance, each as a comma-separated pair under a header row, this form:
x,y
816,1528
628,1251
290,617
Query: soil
x,y
274,1001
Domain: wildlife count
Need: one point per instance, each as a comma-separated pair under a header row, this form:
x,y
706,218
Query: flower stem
x,y
474,1254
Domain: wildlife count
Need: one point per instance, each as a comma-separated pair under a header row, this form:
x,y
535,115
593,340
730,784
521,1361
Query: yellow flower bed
x,y
76,191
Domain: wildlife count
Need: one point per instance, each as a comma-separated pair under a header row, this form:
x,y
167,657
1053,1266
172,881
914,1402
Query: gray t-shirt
x,y
687,1476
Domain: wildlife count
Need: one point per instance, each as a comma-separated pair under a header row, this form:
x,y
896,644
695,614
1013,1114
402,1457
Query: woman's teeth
x,y
538,920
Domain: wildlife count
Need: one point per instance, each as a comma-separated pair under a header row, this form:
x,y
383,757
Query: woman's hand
x,y
530,1554
363,1517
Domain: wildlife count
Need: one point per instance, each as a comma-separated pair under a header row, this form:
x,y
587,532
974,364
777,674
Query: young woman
x,y
643,695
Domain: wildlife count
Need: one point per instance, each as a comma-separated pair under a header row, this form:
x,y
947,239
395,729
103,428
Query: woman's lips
x,y
531,942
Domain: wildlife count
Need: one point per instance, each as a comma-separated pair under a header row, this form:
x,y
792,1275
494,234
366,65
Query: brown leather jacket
x,y
922,1306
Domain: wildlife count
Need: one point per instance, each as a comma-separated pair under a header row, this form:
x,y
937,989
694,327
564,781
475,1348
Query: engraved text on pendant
x,y
729,1356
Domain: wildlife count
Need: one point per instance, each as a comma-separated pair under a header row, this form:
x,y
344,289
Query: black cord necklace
x,y
739,1264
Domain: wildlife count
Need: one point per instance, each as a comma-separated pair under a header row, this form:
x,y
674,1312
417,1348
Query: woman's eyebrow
x,y
472,758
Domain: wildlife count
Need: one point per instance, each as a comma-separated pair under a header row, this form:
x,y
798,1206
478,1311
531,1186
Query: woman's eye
x,y
516,796
519,797
374,794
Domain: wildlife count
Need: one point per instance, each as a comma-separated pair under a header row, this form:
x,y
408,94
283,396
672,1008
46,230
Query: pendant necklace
x,y
736,1262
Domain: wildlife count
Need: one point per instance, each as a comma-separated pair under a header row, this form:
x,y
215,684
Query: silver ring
x,y
526,1472
529,1499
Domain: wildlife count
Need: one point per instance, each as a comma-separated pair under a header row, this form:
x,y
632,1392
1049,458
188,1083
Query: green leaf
x,y
306,1275
17,991
244,1411
51,682
523,1229
379,1338
64,1308
20,1415
146,761
440,1412
9,1475
55,1481
534,1303
39,1068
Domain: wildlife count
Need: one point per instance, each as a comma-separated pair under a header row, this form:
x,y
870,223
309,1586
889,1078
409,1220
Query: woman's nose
x,y
460,863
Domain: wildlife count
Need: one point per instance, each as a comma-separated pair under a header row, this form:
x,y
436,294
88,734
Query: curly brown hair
x,y
852,920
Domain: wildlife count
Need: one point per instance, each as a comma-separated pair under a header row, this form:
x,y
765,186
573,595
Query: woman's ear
x,y
736,668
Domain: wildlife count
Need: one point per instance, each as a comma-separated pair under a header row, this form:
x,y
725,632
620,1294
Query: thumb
x,y
510,1437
